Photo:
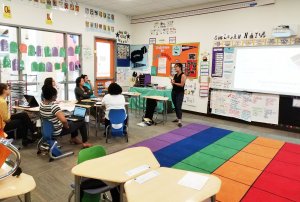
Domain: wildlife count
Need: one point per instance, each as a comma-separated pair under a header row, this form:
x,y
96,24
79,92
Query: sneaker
x,y
175,121
179,124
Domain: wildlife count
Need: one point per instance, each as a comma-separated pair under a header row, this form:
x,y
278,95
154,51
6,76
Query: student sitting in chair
x,y
49,82
51,111
19,121
113,100
81,91
87,83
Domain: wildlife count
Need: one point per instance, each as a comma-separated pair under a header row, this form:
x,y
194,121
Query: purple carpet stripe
x,y
153,144
170,137
186,132
195,126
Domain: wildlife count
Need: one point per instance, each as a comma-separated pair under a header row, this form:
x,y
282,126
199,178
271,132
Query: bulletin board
x,y
166,55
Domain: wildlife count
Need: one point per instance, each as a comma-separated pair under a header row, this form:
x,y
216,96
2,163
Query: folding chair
x,y
117,126
48,144
91,195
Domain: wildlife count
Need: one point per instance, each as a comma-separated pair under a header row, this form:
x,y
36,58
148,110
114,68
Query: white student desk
x,y
159,99
114,167
165,188
14,186
136,96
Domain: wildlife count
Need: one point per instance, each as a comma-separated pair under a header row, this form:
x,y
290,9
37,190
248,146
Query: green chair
x,y
91,195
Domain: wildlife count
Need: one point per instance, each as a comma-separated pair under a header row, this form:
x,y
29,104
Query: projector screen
x,y
273,70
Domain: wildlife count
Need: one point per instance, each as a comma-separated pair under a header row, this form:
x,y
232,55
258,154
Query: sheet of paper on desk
x,y
193,181
137,170
98,103
146,177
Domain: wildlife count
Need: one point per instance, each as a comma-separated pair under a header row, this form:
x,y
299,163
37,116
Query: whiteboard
x,y
274,70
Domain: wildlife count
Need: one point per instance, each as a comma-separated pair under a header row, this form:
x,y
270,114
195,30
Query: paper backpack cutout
x,y
31,50
47,51
34,67
42,67
64,67
39,51
77,49
23,48
77,65
15,65
6,62
57,66
49,67
71,66
70,51
62,52
13,47
55,52
4,45
22,65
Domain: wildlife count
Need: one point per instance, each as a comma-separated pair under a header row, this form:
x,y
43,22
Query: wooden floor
x,y
53,179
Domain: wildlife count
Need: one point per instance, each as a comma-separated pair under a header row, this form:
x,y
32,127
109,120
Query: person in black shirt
x,y
178,83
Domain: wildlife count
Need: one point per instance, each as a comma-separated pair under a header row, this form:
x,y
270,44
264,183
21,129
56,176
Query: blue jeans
x,y
177,99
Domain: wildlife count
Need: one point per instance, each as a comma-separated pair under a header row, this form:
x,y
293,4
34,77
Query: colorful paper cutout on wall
x,y
71,66
62,52
153,71
6,11
54,52
49,67
23,48
4,45
57,66
34,67
31,50
77,49
6,62
39,51
64,67
42,67
177,53
77,65
123,55
21,65
70,51
13,47
15,65
47,51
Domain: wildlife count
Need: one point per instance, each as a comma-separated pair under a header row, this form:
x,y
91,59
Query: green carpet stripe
x,y
184,166
204,161
241,136
231,143
219,151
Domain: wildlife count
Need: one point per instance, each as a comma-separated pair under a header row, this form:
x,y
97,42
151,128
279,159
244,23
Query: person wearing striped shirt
x,y
51,111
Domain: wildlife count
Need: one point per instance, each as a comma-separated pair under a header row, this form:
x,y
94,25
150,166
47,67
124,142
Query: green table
x,y
150,92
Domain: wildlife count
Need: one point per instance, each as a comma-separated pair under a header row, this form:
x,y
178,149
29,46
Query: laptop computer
x,y
78,114
31,101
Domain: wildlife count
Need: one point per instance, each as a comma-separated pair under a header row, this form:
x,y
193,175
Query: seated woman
x,y
51,111
87,83
113,100
19,121
82,92
49,82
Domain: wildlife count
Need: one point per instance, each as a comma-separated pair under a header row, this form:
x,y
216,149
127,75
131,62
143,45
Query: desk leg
x,y
121,192
96,124
136,105
213,198
139,105
28,197
77,188
166,111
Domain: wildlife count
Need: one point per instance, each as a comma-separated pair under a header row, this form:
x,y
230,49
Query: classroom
x,y
149,101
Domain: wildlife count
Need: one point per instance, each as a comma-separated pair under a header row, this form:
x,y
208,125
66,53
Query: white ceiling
x,y
140,7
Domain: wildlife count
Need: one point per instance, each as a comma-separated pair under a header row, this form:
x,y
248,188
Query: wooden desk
x,y
32,109
165,104
13,186
136,96
165,188
114,167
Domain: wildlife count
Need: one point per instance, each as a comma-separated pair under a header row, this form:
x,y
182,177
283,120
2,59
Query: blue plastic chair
x,y
117,126
48,143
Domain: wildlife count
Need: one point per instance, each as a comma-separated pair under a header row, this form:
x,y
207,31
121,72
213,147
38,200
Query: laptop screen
x,y
79,111
31,101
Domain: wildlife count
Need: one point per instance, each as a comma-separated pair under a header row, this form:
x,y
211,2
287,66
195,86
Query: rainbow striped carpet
x,y
251,168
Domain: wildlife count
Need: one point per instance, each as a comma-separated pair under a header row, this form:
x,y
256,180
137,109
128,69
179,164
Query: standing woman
x,y
178,83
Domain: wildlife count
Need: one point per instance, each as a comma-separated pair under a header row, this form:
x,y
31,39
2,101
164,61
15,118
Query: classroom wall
x,y
203,28
34,16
